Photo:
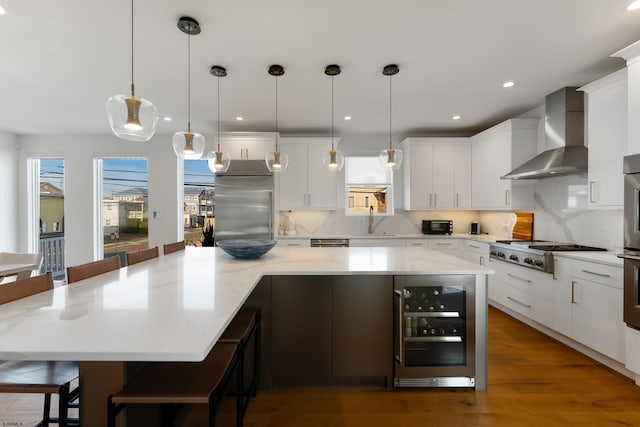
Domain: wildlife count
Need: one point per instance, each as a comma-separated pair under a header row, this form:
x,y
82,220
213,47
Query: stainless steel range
x,y
536,254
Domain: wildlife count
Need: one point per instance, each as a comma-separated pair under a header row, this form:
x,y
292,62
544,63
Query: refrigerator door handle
x,y
398,294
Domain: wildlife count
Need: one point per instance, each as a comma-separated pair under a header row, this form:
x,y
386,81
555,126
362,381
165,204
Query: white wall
x,y
9,192
78,152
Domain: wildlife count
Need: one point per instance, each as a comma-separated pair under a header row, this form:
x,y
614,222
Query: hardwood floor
x,y
533,381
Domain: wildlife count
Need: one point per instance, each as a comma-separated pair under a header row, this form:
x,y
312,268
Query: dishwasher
x,y
329,243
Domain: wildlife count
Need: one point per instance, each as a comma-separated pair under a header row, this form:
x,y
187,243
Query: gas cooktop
x,y
536,254
544,245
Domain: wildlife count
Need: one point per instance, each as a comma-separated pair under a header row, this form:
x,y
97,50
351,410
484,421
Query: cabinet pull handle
x,y
481,260
417,244
521,303
573,292
555,268
430,200
443,244
506,197
400,325
596,274
591,186
435,200
457,200
519,278
474,246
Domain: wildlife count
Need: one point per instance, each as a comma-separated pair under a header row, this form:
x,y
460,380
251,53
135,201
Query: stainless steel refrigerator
x,y
244,201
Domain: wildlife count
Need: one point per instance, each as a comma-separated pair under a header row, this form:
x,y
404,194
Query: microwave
x,y
437,226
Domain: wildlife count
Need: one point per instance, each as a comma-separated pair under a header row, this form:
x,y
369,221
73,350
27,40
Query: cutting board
x,y
523,230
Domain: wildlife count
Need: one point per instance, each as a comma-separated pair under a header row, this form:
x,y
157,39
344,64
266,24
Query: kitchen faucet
x,y
370,231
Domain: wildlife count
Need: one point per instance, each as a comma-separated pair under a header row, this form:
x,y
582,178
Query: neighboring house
x,y
206,206
51,208
190,212
119,215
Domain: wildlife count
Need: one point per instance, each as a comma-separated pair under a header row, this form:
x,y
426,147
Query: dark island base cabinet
x,y
325,330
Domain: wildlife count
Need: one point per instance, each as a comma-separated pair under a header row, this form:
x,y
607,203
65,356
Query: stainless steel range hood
x,y
564,139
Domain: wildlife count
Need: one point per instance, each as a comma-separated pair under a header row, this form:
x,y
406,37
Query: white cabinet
x,y
606,137
294,242
496,152
477,252
376,242
588,305
526,291
437,173
306,184
247,145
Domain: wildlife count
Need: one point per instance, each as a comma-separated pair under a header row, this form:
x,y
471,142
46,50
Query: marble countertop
x,y
607,258
479,237
175,307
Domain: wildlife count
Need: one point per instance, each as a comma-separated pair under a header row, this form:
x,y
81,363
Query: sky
x,y
122,174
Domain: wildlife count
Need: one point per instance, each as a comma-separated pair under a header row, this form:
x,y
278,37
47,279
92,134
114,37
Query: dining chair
x,y
143,255
44,377
173,247
21,258
91,269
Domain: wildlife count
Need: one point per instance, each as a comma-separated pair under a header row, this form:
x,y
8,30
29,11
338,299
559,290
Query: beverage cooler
x,y
434,331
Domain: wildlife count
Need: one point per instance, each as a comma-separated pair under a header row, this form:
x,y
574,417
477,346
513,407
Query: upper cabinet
x,y
606,137
495,152
306,184
437,173
247,145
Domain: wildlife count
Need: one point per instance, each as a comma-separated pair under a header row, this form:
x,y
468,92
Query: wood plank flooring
x,y
533,381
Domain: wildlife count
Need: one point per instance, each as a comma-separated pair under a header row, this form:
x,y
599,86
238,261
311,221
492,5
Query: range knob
x,y
513,257
493,252
538,263
528,261
500,254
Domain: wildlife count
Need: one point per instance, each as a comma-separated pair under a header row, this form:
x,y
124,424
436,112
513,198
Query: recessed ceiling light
x,y
239,118
634,5
456,117
3,10
508,84
347,117
166,119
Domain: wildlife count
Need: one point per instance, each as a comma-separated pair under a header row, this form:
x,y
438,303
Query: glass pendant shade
x,y
135,119
188,145
276,161
333,160
390,158
219,162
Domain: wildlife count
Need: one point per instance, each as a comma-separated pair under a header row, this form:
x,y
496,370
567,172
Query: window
x,y
198,196
368,186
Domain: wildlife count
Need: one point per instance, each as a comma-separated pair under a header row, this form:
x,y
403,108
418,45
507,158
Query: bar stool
x,y
244,327
143,255
168,248
90,269
46,377
174,383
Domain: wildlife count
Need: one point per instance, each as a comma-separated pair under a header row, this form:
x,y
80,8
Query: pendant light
x,y
390,158
275,160
135,119
333,160
219,162
188,145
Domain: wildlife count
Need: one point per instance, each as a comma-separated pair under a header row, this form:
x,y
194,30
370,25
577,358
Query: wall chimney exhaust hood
x,y
564,139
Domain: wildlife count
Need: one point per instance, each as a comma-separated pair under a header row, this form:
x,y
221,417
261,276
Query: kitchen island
x,y
175,307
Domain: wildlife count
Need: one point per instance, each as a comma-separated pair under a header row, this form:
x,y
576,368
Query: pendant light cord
x,y
276,77
189,83
218,113
332,147
390,113
132,87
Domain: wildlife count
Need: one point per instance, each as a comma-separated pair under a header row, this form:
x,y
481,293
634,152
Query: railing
x,y
52,249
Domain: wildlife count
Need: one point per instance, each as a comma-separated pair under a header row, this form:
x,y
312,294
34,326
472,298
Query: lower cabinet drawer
x,y
525,303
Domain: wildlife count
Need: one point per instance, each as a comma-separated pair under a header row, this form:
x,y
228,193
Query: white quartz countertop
x,y
607,258
176,307
488,238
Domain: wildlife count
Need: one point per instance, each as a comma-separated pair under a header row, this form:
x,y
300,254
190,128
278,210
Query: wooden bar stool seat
x,y
143,255
175,383
245,327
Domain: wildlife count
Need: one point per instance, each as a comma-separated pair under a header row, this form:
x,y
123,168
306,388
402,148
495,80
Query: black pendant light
x,y
333,160
218,161
188,145
390,158
275,160
131,118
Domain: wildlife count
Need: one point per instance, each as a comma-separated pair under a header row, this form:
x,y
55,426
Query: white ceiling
x,y
60,61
